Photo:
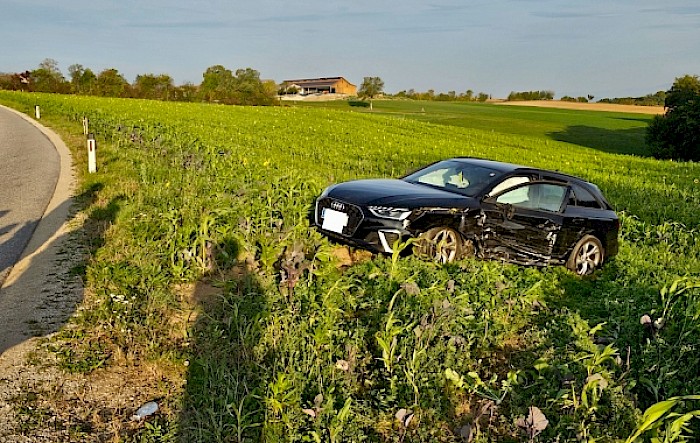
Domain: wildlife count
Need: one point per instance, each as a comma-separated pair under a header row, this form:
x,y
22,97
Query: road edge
x,y
47,229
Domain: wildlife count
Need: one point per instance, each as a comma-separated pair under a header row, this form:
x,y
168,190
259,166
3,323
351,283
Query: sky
x,y
605,48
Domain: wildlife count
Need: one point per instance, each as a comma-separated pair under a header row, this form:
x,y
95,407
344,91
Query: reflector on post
x,y
92,156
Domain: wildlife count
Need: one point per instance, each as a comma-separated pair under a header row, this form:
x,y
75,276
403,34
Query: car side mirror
x,y
508,210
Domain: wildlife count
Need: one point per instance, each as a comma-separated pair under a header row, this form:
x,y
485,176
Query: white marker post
x,y
37,112
85,126
92,156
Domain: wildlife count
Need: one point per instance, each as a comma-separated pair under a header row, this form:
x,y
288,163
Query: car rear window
x,y
582,198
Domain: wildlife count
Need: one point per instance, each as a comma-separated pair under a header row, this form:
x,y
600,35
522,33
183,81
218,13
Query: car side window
x,y
584,198
517,197
539,196
509,183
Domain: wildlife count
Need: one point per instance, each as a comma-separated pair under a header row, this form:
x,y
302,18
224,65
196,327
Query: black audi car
x,y
469,206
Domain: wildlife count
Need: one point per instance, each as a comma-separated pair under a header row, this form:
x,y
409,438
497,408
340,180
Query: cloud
x,y
319,17
452,8
412,30
203,24
574,15
689,10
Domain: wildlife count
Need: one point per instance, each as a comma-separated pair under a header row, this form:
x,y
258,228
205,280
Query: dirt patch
x,y
39,402
346,256
607,107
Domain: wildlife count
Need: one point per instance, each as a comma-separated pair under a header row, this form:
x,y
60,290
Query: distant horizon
x,y
557,96
607,49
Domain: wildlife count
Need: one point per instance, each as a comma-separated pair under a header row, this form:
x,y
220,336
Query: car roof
x,y
510,167
491,164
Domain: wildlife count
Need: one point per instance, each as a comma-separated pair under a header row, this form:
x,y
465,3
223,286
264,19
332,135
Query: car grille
x,y
355,215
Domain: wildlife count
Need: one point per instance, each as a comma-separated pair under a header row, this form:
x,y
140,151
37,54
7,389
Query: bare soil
x,y
608,107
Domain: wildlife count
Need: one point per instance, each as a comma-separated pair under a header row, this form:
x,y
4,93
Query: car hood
x,y
397,193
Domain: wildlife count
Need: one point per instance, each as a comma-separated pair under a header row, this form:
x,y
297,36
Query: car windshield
x,y
454,176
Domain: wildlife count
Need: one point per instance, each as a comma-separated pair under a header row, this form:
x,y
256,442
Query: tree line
x,y
242,87
219,84
657,99
431,95
531,95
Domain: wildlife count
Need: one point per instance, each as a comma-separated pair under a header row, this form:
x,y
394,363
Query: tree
x,y
216,84
270,89
75,71
110,83
676,134
683,90
154,87
370,88
48,78
244,88
248,89
82,79
87,83
185,93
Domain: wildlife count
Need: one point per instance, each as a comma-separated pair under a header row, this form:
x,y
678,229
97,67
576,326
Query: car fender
x,y
424,219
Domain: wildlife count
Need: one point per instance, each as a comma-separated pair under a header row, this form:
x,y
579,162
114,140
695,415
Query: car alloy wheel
x,y
586,256
443,245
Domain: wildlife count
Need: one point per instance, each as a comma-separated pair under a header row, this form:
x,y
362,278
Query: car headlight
x,y
391,213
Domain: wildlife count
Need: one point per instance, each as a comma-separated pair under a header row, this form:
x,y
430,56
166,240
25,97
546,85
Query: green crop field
x,y
281,339
612,132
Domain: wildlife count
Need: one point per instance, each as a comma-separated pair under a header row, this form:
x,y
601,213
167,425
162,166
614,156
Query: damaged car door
x,y
523,224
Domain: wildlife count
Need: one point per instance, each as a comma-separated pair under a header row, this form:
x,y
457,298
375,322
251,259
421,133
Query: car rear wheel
x,y
443,245
587,256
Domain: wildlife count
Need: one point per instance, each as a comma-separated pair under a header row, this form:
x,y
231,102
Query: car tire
x,y
442,244
587,256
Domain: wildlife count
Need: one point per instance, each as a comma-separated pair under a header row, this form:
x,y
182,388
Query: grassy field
x,y
611,132
204,266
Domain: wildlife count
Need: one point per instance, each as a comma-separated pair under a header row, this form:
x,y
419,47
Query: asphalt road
x,y
29,170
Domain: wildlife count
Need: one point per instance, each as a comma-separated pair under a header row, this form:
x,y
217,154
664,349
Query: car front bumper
x,y
362,229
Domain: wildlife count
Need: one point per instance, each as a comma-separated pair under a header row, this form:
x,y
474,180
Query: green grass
x,y
293,348
611,132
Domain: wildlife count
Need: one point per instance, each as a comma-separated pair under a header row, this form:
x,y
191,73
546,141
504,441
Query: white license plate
x,y
334,221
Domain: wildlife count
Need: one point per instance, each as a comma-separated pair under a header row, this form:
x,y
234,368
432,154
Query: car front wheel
x,y
443,245
586,257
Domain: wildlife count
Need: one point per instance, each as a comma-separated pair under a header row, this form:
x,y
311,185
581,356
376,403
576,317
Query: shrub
x,y
676,134
358,103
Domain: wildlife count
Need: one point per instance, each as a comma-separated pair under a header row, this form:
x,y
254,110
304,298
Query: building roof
x,y
315,82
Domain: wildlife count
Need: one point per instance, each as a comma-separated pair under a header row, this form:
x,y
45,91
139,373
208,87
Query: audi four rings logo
x,y
338,206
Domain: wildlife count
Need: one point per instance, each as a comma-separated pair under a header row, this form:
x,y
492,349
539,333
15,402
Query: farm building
x,y
327,85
